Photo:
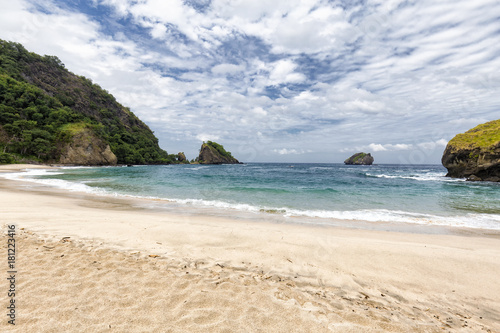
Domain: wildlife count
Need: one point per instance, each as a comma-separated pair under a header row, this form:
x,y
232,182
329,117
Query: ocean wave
x,y
77,167
28,173
321,168
431,176
470,220
476,220
197,168
31,176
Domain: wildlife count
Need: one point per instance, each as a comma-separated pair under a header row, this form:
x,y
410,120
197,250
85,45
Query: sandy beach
x,y
103,264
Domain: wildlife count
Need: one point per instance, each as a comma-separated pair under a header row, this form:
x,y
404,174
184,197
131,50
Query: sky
x,y
283,80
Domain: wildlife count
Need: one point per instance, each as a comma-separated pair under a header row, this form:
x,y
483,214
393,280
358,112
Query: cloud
x,y
389,76
285,151
431,145
207,137
376,147
224,69
470,122
283,71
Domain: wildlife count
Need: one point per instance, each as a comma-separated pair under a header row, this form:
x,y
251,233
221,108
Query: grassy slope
x,y
482,136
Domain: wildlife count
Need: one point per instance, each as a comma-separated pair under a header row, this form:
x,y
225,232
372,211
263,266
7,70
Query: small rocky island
x,y
214,153
475,154
360,159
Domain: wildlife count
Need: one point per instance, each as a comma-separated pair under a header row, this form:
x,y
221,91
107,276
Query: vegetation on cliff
x,y
475,154
214,153
360,159
220,149
482,136
43,107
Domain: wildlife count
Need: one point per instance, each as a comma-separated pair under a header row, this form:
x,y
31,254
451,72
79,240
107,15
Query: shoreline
x,y
185,207
298,277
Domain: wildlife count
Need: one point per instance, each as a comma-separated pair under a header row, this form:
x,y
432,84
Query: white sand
x,y
227,275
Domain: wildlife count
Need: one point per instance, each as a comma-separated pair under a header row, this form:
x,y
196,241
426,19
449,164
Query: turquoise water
x,y
327,192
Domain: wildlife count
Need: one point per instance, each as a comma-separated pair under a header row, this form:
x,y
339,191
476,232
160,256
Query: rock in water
x,y
360,159
181,157
214,153
475,154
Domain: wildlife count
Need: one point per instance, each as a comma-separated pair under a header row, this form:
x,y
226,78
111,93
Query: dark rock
x,y
360,159
474,178
181,158
213,153
86,148
475,154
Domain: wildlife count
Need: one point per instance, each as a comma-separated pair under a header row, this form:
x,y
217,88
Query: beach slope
x,y
99,264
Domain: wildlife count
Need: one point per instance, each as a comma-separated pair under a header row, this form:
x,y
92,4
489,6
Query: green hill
x,y
45,110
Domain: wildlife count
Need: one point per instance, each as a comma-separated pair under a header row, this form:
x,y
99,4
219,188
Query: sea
x,y
323,194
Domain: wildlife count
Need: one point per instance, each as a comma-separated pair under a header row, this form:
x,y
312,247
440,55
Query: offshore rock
x,y
213,153
181,157
85,148
475,154
360,159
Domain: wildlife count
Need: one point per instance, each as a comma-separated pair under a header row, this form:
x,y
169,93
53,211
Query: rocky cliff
x,y
475,154
181,157
360,159
213,153
85,148
40,98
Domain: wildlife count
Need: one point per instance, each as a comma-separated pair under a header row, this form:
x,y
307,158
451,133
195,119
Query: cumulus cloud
x,y
389,76
389,147
207,137
431,145
227,69
285,151
283,71
376,147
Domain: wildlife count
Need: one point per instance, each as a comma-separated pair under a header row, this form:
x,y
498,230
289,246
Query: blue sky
x,y
282,80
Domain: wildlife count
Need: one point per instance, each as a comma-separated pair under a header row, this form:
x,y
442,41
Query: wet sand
x,y
100,264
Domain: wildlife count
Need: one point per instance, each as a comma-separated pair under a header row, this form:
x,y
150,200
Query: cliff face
x,y
360,159
181,157
39,97
213,153
475,154
86,148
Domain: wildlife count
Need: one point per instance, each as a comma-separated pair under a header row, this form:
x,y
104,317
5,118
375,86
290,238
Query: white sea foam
x,y
197,168
429,176
31,176
77,167
481,221
321,168
29,173
477,220
217,204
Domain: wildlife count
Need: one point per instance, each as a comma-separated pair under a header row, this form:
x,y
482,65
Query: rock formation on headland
x,y
181,157
475,154
360,159
214,153
86,148
50,115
